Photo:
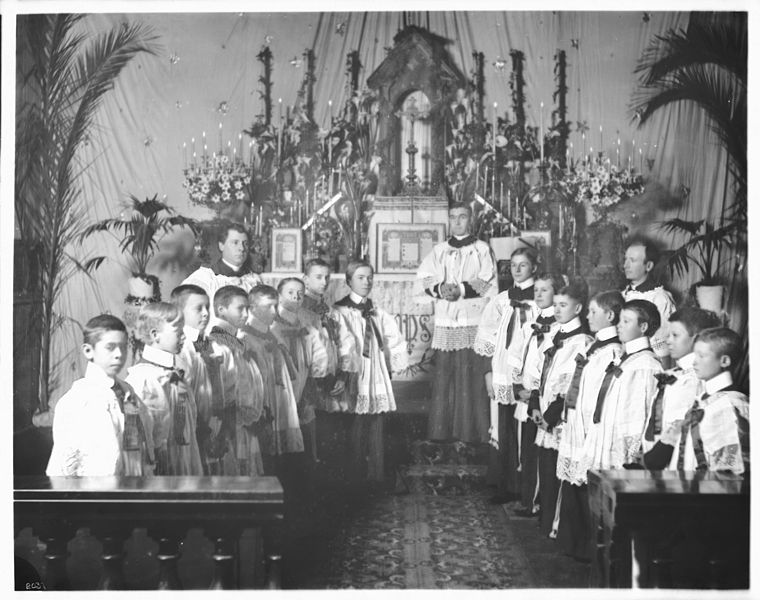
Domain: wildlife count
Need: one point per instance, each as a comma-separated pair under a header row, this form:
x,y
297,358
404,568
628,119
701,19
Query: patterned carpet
x,y
417,541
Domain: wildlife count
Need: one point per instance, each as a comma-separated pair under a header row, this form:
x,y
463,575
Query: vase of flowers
x,y
600,186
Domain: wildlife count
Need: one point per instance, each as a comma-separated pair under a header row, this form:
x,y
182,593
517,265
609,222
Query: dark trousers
x,y
548,487
502,463
529,464
367,447
574,536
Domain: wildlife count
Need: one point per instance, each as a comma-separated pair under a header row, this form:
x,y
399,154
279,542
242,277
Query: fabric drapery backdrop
x,y
161,102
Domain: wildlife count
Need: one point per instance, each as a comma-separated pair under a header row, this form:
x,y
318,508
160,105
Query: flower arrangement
x,y
601,185
217,180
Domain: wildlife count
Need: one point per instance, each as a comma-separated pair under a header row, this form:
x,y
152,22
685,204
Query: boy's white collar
x,y
547,312
607,333
524,285
93,371
686,362
635,345
158,356
191,333
356,298
572,324
720,382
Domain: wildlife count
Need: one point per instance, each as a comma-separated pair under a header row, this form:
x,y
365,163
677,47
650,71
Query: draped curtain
x,y
207,74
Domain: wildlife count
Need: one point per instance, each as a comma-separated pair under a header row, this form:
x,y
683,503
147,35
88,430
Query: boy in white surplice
x,y
100,426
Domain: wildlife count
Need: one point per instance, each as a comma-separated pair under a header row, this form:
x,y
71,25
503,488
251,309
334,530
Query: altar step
x,y
444,469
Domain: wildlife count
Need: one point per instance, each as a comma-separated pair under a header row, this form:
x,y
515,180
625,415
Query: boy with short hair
x,y
502,318
525,361
580,401
334,352
283,432
100,426
160,378
300,342
622,404
713,434
242,385
547,406
380,351
203,369
677,387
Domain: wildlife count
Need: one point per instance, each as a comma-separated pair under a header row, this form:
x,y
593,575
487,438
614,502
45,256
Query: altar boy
x,y
713,434
100,426
677,387
629,384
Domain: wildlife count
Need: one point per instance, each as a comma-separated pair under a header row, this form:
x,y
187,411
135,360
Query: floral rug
x,y
418,541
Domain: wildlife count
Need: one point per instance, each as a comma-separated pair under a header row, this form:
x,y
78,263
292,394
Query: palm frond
x,y
701,43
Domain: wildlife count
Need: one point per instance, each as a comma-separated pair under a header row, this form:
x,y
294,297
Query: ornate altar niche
x,y
416,84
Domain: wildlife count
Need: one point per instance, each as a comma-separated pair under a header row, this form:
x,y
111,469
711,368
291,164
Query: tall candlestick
x,y
220,138
541,132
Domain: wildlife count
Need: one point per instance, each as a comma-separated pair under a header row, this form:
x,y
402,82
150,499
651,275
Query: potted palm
x,y
703,250
141,230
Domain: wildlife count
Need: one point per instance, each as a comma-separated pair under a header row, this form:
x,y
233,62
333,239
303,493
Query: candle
x,y
560,223
204,137
641,161
591,155
541,132
259,223
184,152
485,181
617,152
567,160
601,140
220,138
279,109
192,141
509,204
250,153
240,145
329,124
205,152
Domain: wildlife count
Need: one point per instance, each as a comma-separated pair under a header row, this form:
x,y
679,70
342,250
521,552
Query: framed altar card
x,y
286,250
402,246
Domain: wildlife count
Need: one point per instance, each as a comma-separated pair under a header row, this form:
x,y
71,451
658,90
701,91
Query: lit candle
x,y
641,161
279,109
541,132
583,135
601,140
329,123
260,222
205,152
567,160
184,153
485,180
192,141
572,154
220,138
618,152
204,138
250,153
591,155
240,145
193,158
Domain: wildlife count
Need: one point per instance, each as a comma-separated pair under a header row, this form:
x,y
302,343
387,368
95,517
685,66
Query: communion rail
x,y
112,507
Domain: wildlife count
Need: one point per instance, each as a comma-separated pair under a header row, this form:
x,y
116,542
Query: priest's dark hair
x,y
97,326
723,341
651,251
576,288
695,319
646,312
354,265
181,293
610,300
557,280
224,230
289,280
463,205
315,262
225,294
263,291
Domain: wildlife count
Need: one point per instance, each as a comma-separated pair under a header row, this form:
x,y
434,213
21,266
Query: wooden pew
x,y
112,507
668,529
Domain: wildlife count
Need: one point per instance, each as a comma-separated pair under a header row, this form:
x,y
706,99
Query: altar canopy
x,y
206,74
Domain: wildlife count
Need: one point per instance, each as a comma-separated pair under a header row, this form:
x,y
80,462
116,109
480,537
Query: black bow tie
x,y
664,379
520,294
202,344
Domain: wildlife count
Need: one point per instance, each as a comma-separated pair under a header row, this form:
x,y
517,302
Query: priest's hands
x,y
479,286
672,434
450,291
